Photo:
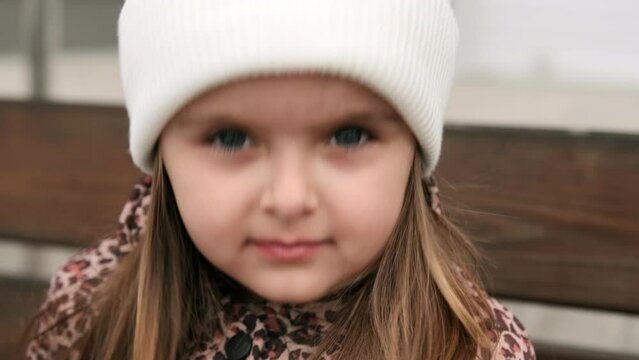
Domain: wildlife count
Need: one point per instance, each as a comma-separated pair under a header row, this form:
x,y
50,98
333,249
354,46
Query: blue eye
x,y
230,140
350,136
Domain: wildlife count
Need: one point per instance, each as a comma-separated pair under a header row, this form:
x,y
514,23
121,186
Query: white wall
x,y
562,40
560,64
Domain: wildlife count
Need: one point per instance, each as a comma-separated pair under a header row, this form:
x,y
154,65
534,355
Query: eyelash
x,y
367,135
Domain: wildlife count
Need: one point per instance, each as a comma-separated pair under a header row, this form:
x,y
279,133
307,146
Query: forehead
x,y
308,97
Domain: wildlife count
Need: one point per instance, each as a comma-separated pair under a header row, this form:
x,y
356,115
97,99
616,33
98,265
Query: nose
x,y
289,191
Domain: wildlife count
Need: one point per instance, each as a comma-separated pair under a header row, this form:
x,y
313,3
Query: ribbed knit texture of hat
x,y
172,50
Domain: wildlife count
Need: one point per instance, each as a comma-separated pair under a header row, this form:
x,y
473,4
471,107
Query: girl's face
x,y
291,185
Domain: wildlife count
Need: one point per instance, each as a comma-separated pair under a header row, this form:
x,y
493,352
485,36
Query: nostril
x,y
288,202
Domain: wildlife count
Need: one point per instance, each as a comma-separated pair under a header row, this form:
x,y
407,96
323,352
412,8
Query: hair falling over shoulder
x,y
150,306
417,301
413,303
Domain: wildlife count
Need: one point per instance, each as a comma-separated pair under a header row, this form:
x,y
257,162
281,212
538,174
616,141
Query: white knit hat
x,y
172,50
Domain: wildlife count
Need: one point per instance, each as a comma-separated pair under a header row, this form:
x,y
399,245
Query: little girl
x,y
289,209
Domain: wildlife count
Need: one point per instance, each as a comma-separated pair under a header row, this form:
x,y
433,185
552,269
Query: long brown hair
x,y
413,303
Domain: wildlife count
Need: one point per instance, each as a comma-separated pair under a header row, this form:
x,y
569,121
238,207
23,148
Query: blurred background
x,y
544,116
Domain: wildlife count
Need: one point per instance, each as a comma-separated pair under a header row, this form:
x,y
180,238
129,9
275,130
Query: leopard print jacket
x,y
254,331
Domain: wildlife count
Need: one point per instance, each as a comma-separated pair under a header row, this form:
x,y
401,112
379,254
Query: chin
x,y
290,294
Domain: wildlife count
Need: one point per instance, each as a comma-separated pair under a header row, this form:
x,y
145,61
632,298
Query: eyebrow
x,y
390,116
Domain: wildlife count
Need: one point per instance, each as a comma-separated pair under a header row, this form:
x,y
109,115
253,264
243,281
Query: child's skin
x,y
292,173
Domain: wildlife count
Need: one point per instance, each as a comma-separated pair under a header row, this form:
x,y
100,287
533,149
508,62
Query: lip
x,y
295,250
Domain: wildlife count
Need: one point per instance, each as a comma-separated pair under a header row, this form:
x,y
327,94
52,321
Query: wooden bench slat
x,y
559,352
555,211
65,173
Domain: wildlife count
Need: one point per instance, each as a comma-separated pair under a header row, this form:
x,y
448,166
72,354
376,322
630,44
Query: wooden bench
x,y
556,212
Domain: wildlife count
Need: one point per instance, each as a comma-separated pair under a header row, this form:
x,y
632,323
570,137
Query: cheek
x,y
365,212
214,210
